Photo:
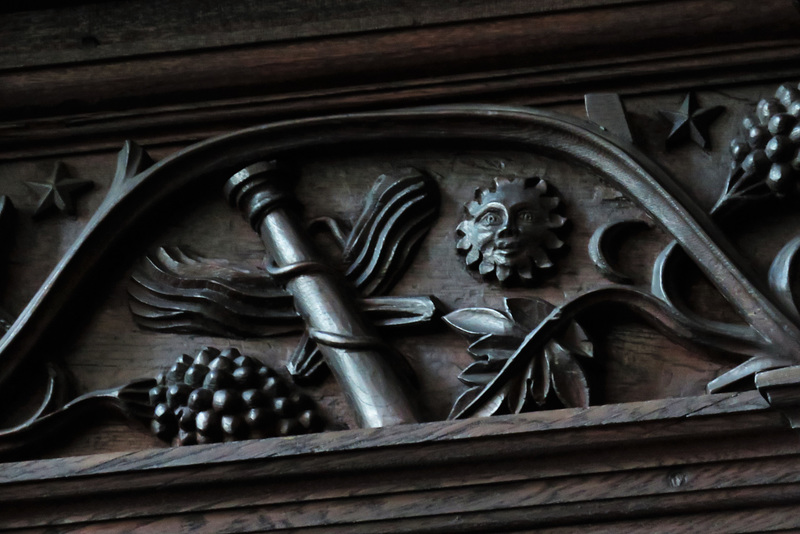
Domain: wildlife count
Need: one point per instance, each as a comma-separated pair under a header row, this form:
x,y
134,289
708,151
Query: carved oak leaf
x,y
496,335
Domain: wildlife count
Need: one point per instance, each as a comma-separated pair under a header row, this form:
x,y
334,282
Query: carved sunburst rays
x,y
508,229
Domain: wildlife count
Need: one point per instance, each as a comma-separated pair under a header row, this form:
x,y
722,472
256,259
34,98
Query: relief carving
x,y
375,377
7,219
691,123
59,191
509,228
766,157
532,355
225,396
555,370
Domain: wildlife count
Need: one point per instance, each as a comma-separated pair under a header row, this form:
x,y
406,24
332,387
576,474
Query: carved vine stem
x,y
133,195
656,312
130,400
7,217
764,164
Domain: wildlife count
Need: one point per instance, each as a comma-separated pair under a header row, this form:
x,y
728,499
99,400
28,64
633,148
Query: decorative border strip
x,y
644,461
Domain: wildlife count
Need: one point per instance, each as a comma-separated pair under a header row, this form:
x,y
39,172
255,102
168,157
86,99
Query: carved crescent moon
x,y
780,275
561,136
597,247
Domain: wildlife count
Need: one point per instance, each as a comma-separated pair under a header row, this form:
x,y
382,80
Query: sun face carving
x,y
509,229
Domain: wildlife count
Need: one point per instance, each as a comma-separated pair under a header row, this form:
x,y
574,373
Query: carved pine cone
x,y
769,149
224,396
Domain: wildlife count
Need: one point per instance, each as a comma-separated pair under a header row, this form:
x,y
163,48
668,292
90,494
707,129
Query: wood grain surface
x,y
540,470
651,454
141,27
165,80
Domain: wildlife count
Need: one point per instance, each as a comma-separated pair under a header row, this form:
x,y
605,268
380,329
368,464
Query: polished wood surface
x,y
177,73
652,453
668,464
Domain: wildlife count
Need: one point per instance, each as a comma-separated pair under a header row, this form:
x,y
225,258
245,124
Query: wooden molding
x,y
89,32
174,87
724,459
722,462
291,78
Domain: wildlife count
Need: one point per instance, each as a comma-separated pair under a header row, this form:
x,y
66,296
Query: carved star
x,y
59,191
690,122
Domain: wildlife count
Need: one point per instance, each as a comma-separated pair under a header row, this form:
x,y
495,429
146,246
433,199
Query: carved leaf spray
x,y
555,370
762,165
137,189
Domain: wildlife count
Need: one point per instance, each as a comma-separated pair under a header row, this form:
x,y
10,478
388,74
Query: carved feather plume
x,y
174,291
399,211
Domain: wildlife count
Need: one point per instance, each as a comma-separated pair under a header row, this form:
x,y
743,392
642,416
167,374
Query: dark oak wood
x,y
642,361
535,470
652,452
630,171
553,52
149,28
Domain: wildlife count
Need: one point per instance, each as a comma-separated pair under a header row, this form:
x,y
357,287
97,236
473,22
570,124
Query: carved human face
x,y
508,229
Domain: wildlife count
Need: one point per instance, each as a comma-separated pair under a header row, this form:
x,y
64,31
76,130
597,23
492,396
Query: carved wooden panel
x,y
462,317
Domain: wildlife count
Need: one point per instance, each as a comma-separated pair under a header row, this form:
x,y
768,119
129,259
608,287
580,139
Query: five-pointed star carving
x,y
690,122
59,191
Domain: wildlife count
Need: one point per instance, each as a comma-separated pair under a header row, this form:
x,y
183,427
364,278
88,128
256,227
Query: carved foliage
x,y
173,290
378,250
398,212
555,371
53,416
176,291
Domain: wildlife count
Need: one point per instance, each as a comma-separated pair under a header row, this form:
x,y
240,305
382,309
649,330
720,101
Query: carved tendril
x,y
556,324
130,400
765,162
557,135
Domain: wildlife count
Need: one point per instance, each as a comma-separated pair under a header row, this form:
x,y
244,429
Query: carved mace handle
x,y
369,372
